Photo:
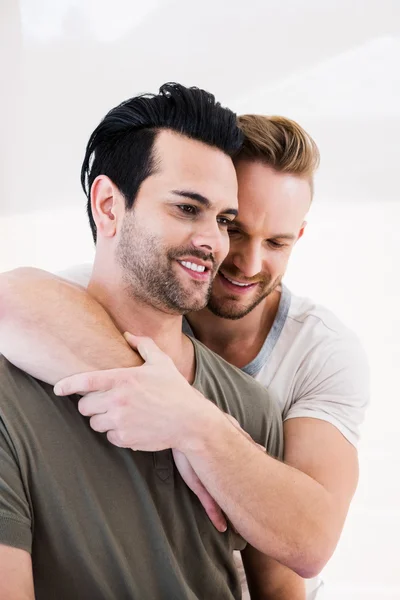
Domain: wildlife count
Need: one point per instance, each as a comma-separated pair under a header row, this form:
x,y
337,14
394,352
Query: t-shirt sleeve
x,y
15,514
333,385
274,438
263,420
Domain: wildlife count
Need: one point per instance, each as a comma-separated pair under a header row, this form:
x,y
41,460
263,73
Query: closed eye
x,y
275,244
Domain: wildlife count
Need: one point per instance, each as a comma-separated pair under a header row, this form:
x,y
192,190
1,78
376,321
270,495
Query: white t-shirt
x,y
315,367
311,364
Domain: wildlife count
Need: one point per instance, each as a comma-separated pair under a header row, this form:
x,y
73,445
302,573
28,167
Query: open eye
x,y
188,209
224,221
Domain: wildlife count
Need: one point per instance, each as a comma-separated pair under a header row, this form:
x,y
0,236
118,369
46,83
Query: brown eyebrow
x,y
281,236
202,200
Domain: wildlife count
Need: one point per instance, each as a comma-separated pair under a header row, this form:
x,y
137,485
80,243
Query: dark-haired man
x,y
79,516
309,361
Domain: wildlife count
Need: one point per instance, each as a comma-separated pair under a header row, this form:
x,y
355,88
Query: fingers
x,y
84,383
101,423
212,509
94,404
191,479
115,438
146,347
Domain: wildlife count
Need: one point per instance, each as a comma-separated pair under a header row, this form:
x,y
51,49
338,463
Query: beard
x,y
233,307
149,273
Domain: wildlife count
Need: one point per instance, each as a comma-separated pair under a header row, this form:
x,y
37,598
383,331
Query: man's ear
x,y
105,200
301,232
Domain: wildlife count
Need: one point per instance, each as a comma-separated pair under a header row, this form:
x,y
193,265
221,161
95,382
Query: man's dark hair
x,y
121,145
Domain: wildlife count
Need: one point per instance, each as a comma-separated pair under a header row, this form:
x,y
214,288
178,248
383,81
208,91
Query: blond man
x,y
292,511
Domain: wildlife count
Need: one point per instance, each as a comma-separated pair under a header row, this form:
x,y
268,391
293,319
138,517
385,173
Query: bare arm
x,y
52,328
294,514
16,580
269,580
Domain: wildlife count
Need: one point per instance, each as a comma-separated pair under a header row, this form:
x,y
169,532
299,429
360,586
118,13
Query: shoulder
x,y
237,394
316,333
19,392
213,370
315,317
10,376
79,274
330,379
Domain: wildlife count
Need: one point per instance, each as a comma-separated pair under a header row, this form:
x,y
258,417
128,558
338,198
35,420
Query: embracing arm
x,y
39,313
295,516
292,512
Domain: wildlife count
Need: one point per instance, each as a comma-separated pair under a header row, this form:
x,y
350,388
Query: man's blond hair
x,y
280,143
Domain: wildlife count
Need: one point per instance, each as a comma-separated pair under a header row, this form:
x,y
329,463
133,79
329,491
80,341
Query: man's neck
x,y
139,318
237,341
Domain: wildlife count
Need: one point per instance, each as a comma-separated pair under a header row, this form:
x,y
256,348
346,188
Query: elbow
x,y
309,566
313,555
305,556
310,569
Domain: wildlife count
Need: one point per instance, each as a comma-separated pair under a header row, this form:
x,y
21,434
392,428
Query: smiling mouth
x,y
196,271
193,266
237,283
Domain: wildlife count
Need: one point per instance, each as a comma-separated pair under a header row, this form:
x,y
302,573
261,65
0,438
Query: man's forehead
x,y
271,200
184,164
270,219
173,147
267,228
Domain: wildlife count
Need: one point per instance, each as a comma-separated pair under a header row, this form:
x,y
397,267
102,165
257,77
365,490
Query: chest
x,y
106,518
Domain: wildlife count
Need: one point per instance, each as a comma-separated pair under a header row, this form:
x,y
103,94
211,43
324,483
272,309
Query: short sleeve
x,y
333,385
15,514
274,441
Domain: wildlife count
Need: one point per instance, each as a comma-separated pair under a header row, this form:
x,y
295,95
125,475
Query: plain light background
x,y
334,66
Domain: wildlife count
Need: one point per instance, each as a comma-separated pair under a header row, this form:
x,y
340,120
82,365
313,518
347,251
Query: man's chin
x,y
194,304
228,310
232,308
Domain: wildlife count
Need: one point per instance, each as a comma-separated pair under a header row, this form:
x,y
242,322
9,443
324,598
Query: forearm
x,y
279,510
51,328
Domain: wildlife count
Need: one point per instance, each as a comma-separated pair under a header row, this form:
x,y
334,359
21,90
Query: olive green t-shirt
x,y
107,523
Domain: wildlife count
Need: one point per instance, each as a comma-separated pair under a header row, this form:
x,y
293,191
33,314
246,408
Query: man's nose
x,y
211,239
248,261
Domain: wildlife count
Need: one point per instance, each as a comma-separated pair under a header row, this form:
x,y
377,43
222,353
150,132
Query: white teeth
x,y
237,283
193,266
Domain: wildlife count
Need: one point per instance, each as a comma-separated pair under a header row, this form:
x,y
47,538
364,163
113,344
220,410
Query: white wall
x,y
334,66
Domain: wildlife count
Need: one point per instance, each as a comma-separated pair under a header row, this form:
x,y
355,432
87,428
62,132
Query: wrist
x,y
204,423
